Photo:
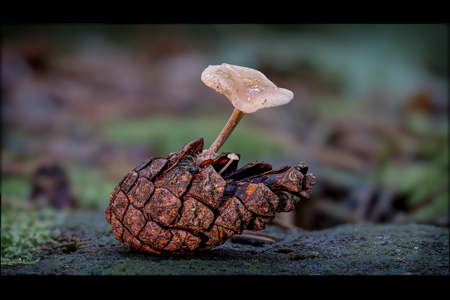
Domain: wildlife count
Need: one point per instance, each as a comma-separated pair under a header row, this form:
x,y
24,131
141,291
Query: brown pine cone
x,y
161,207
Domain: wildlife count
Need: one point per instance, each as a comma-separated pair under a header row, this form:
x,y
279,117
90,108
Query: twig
x,y
247,237
260,234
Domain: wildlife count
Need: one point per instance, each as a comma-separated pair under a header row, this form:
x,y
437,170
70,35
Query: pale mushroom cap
x,y
233,156
248,89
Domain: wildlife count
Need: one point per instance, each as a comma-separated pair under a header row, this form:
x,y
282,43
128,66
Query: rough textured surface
x,y
87,247
200,209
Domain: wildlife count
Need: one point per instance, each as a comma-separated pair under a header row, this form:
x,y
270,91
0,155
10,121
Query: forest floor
x,y
86,246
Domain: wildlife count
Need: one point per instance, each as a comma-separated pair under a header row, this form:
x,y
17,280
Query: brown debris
x,y
50,186
246,237
271,236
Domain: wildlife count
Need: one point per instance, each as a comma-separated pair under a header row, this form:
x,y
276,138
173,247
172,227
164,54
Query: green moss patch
x,y
23,231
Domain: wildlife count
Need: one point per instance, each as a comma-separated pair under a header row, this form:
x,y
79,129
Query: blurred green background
x,y
369,114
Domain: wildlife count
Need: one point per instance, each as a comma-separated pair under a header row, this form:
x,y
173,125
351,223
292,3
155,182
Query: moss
x,y
23,231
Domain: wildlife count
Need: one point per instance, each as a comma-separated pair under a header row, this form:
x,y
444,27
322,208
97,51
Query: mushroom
x,y
232,157
248,90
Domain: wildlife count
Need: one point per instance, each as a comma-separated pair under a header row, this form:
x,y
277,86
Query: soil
x,y
87,246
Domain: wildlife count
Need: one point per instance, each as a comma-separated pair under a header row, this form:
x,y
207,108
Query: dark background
x,y
369,114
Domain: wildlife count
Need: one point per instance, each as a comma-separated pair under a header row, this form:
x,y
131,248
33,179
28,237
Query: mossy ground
x,y
86,246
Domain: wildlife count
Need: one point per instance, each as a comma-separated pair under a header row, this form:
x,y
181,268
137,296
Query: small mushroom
x,y
232,157
248,90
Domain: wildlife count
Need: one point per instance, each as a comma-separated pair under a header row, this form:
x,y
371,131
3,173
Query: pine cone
x,y
161,207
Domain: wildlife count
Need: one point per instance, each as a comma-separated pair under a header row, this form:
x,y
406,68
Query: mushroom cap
x,y
248,89
233,156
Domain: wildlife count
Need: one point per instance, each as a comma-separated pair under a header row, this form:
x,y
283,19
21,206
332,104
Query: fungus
x,y
232,157
248,90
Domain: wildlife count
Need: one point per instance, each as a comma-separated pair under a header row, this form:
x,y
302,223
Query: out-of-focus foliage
x,y
17,187
424,183
168,133
91,192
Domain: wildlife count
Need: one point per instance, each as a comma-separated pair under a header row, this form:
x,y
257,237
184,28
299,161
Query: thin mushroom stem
x,y
236,116
226,166
232,158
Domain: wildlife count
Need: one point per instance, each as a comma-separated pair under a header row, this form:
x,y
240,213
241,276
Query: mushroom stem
x,y
232,158
236,116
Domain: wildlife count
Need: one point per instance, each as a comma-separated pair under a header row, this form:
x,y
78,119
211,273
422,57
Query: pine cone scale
x,y
183,240
153,169
155,235
195,216
130,240
249,170
117,228
120,205
141,192
134,220
176,181
208,186
129,180
234,216
162,207
258,198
